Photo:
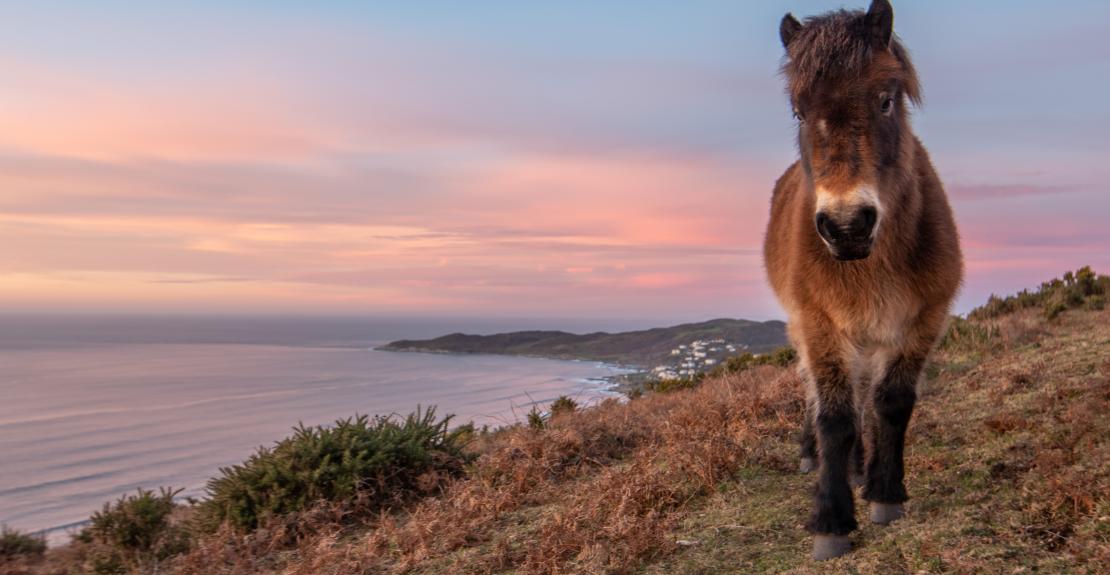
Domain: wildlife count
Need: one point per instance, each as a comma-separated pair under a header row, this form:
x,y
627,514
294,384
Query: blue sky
x,y
441,157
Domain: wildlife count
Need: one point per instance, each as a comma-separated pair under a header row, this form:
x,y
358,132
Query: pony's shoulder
x,y
787,182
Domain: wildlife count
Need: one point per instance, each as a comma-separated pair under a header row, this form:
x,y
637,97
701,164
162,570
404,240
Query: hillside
x,y
643,348
1007,468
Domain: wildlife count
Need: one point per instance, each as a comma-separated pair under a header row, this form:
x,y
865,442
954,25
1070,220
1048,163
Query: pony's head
x,y
850,82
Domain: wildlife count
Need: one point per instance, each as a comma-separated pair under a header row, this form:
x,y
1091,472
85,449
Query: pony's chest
x,y
878,318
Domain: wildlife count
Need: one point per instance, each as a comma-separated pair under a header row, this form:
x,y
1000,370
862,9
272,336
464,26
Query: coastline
x,y
177,398
622,383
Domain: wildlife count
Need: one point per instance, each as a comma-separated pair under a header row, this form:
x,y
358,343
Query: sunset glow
x,y
504,159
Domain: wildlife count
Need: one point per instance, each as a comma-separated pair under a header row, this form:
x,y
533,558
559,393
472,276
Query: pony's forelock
x,y
837,44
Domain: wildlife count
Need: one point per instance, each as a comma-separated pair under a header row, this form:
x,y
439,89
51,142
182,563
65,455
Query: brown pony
x,y
863,253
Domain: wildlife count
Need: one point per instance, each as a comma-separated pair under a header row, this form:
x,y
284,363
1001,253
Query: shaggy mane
x,y
836,44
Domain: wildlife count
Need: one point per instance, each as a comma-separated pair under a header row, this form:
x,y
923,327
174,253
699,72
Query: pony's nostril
x,y
864,223
825,227
868,216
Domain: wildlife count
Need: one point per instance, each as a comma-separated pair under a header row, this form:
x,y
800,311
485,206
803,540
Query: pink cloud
x,y
996,191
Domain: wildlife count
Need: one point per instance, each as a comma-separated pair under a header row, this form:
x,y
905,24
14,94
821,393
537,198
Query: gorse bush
x,y
536,420
965,335
781,357
675,384
563,404
134,521
1054,297
135,532
15,543
374,462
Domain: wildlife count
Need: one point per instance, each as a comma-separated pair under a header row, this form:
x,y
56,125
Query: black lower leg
x,y
893,400
835,510
855,463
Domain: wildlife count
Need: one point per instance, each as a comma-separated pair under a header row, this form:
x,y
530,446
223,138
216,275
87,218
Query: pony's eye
x,y
887,106
798,115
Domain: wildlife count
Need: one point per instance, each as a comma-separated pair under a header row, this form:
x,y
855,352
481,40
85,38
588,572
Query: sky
x,y
498,159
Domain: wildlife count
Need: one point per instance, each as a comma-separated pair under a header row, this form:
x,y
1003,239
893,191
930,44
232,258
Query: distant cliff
x,y
644,348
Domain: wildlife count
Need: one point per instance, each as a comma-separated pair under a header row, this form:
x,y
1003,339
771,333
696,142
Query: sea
x,y
94,406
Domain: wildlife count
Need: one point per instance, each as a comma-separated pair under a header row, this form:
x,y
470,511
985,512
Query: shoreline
x,y
267,389
619,383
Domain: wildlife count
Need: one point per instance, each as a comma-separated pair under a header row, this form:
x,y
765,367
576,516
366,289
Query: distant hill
x,y
643,348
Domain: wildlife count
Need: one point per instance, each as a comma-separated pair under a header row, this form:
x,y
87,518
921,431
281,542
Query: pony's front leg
x,y
834,510
893,399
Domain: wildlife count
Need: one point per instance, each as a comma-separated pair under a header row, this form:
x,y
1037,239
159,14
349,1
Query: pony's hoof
x,y
885,513
830,546
807,464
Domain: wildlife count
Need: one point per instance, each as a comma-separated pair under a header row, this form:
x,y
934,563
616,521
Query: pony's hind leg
x,y
855,461
808,439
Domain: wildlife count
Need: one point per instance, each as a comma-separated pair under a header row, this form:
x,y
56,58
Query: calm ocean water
x,y
93,407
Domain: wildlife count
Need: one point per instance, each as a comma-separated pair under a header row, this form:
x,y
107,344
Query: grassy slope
x,y
1007,469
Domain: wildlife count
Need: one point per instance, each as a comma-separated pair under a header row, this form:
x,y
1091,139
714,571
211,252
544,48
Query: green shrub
x,y
536,420
965,335
1054,297
781,357
1054,307
669,385
135,531
468,432
15,543
105,561
563,404
377,462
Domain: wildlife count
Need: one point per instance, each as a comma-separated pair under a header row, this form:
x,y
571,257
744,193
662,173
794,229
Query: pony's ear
x,y
880,22
788,28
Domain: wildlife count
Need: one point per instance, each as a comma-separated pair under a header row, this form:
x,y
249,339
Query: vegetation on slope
x,y
15,544
1006,466
378,462
1082,288
134,534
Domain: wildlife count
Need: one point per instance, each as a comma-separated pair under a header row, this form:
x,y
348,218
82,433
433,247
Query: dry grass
x,y
1006,462
1007,467
595,491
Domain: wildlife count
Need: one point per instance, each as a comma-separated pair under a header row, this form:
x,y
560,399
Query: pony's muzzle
x,y
850,233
